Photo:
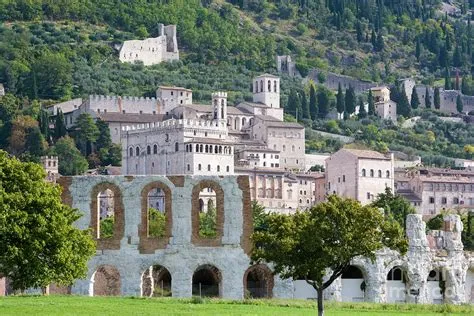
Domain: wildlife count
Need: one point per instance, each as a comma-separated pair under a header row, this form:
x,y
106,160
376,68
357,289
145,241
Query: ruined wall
x,y
131,252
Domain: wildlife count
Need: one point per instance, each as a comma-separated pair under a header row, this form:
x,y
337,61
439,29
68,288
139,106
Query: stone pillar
x,y
130,281
182,281
334,291
282,288
419,259
454,272
375,281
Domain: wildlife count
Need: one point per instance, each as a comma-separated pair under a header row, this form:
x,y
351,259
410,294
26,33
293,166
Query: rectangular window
x,y
343,178
444,200
368,195
432,200
455,200
189,167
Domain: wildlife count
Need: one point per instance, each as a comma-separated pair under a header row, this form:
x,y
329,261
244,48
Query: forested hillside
x,y
57,50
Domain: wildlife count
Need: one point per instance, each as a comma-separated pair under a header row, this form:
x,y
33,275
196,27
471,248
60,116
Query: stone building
x,y
432,190
359,174
51,166
384,107
152,51
287,66
333,80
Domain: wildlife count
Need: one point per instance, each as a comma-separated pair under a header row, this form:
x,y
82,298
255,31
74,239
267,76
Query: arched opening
x,y
261,85
208,213
433,286
244,121
207,281
395,285
106,281
156,213
155,149
148,150
353,285
156,282
269,86
137,151
258,282
130,152
105,214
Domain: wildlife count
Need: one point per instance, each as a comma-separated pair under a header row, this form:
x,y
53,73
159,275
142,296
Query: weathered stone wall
x,y
132,253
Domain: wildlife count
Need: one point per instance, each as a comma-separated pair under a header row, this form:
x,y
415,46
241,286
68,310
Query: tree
x,y
38,241
380,44
44,123
427,98
415,101
52,75
436,99
340,100
103,140
305,106
71,162
319,244
418,49
260,216
459,105
447,80
313,106
362,111
403,106
85,133
60,125
394,205
371,103
359,32
350,101
294,105
323,102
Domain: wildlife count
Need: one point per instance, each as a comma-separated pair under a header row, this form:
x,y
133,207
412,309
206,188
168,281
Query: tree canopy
x,y
38,243
328,236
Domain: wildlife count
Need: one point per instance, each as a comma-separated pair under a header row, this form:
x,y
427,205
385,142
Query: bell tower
x,y
219,103
266,90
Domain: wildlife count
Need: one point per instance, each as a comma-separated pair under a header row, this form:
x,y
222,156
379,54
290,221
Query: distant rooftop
x,y
370,154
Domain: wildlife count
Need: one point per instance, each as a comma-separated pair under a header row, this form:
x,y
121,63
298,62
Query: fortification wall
x,y
125,104
333,80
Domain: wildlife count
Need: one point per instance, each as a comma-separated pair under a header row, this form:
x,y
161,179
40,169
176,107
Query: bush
x,y
435,223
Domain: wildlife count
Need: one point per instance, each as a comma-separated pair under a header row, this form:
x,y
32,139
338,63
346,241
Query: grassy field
x,y
77,305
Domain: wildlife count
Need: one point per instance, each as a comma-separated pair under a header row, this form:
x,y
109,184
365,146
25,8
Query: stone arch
x,y
156,282
353,284
433,281
395,285
148,244
105,281
258,282
196,238
207,281
155,149
130,152
137,151
244,121
118,216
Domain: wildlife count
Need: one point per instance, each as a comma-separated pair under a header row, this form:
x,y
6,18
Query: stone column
x,y
375,281
181,281
455,272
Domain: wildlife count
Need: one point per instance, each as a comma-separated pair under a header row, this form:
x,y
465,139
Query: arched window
x,y
227,168
200,148
284,147
387,174
197,148
269,86
155,149
148,150
222,110
372,173
256,87
210,149
208,167
176,146
199,167
207,149
275,86
261,85
190,148
380,173
244,121
130,152
218,168
220,149
137,151
216,149
364,173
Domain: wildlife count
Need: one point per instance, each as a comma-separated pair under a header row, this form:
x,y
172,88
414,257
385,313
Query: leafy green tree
x,y
103,140
208,223
260,216
380,44
156,223
52,73
71,162
111,155
313,106
59,126
350,101
35,143
340,100
371,103
319,244
394,205
427,98
418,49
459,104
38,241
85,133
415,101
436,99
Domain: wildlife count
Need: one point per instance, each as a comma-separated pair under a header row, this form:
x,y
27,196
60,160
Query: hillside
x,y
57,50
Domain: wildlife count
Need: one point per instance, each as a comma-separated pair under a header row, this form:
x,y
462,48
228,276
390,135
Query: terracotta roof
x,y
130,117
253,104
174,88
370,154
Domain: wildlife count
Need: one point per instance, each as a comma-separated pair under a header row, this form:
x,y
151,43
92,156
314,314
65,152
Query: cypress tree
x,y
350,101
418,49
323,103
427,98
380,45
373,39
459,105
305,106
447,79
436,99
60,126
44,123
415,101
362,111
371,103
340,100
457,58
313,107
403,106
360,35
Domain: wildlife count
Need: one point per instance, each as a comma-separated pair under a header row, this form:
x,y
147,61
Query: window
x,y
387,174
293,148
339,179
130,152
455,200
155,149
368,195
176,146
208,167
218,168
284,147
363,173
172,92
444,200
227,169
372,173
199,167
148,150
189,167
343,178
432,200
137,151
380,173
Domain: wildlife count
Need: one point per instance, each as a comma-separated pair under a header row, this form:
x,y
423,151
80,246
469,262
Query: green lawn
x,y
79,305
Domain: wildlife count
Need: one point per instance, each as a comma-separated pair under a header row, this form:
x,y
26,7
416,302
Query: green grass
x,y
81,305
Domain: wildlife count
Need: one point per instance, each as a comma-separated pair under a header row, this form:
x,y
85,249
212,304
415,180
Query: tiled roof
x,y
366,154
